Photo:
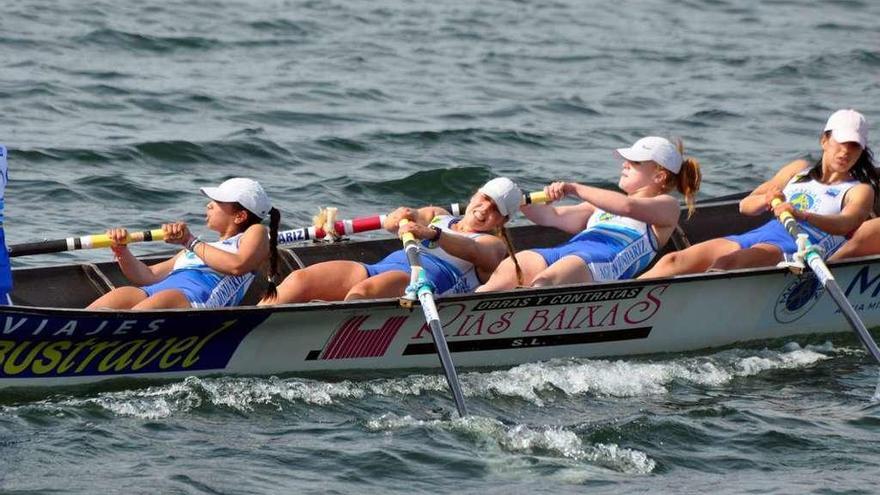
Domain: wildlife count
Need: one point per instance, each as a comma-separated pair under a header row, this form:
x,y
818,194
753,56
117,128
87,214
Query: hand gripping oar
x,y
84,242
420,287
814,259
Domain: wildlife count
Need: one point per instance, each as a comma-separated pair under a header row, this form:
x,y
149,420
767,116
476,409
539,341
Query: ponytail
x,y
687,180
272,272
504,234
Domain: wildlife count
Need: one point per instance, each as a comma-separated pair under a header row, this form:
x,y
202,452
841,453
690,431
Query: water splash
x,y
547,441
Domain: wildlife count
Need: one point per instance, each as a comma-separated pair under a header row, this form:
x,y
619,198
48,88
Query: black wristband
x,y
191,245
437,233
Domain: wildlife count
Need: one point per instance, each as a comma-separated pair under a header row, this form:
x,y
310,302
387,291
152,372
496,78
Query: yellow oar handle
x,y
406,237
84,242
785,214
103,240
787,219
535,198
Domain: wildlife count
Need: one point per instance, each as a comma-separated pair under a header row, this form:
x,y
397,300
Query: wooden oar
x,y
422,289
285,237
366,224
814,259
84,242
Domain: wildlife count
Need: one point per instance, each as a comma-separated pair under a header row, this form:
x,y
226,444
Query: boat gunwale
x,y
394,302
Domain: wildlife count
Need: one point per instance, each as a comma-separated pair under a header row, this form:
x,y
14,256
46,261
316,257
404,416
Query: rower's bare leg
x,y
865,242
169,298
119,298
327,281
753,257
695,259
388,284
504,277
568,270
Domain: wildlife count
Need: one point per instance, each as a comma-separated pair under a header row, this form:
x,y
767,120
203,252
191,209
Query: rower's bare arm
x,y
759,200
857,208
134,269
485,252
139,273
662,210
570,219
253,249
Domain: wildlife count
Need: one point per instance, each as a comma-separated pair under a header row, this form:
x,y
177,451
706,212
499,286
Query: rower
x,y
617,235
829,199
459,252
203,274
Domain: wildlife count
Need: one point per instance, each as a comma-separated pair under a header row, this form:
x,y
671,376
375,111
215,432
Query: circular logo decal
x,y
802,201
798,297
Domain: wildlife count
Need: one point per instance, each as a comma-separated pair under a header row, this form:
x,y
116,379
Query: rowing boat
x,y
47,339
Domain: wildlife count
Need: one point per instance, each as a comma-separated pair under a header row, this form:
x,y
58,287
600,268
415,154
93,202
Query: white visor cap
x,y
653,148
848,126
246,192
505,193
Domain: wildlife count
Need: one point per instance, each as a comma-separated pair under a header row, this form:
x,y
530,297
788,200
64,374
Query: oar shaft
x,y
432,317
851,316
286,237
342,227
84,242
820,269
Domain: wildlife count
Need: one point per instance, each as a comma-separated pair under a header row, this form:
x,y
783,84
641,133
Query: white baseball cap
x,y
653,148
505,193
246,192
848,126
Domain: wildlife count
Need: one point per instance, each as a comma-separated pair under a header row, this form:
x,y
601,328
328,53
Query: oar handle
x,y
84,242
535,198
103,240
787,219
528,198
406,237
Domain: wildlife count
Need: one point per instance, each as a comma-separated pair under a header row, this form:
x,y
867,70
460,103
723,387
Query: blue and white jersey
x,y
464,272
631,244
228,290
808,195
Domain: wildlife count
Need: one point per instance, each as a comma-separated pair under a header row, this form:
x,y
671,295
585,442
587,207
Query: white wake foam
x,y
546,442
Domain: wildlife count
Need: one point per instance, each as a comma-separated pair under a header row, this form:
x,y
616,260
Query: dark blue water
x,y
116,112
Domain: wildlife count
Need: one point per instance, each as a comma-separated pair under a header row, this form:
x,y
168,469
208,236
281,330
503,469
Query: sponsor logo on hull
x,y
576,318
797,298
32,346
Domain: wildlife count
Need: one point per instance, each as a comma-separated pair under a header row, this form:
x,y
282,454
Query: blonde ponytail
x,y
687,180
504,234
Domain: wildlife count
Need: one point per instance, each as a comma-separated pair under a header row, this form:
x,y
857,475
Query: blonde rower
x,y
459,253
618,234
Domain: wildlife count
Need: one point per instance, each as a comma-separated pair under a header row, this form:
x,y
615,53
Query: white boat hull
x,y
55,347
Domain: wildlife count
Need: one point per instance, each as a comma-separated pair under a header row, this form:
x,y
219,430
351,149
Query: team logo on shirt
x,y
604,217
803,201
